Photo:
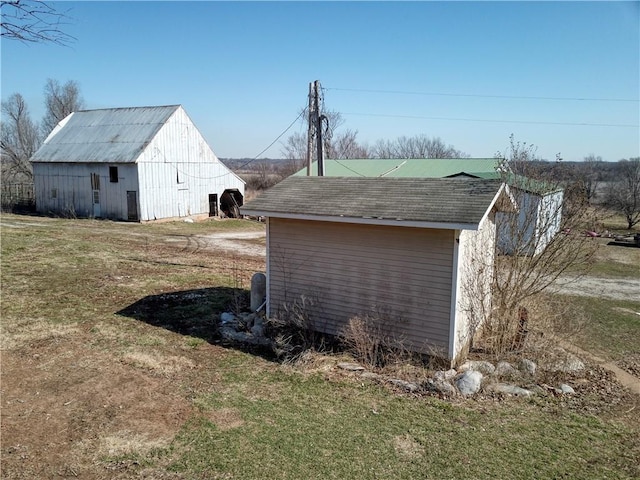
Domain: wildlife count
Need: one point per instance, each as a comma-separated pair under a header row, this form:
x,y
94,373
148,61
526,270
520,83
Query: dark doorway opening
x,y
213,204
132,206
230,202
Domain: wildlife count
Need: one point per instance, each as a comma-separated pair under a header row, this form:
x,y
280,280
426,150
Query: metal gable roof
x,y
409,168
114,135
435,201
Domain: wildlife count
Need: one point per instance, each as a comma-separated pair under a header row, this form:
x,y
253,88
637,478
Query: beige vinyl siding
x,y
355,269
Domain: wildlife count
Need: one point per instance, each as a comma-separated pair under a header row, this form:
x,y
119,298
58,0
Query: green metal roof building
x,y
487,168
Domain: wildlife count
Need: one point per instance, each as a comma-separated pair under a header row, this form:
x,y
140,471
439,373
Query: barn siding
x,y
178,170
353,269
74,193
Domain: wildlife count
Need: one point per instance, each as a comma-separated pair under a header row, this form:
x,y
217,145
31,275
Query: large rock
x,y
258,326
469,382
352,367
226,317
565,389
441,386
444,376
408,386
482,366
527,366
563,361
510,390
233,335
506,370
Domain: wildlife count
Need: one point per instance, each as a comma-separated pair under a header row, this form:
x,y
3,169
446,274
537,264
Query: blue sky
x,y
464,72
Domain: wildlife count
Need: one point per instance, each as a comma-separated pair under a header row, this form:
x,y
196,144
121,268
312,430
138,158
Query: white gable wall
x,y
475,269
178,170
549,219
535,224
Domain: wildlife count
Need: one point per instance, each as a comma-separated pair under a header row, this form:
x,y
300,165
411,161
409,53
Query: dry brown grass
x,y
158,363
125,442
406,446
29,330
225,418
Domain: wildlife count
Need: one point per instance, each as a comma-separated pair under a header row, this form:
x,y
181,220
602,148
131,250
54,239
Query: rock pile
x,y
471,378
480,376
247,328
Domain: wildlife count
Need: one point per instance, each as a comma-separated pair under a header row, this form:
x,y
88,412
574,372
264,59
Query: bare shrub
x,y
540,246
369,338
293,329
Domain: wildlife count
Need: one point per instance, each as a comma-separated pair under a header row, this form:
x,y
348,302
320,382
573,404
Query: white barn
x,y
136,164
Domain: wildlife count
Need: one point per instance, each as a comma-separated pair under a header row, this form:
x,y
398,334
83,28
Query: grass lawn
x,y
112,368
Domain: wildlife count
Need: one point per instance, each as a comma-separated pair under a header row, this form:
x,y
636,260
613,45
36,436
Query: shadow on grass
x,y
188,312
620,243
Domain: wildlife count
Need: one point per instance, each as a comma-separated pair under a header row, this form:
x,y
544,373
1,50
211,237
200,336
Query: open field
x,y
112,369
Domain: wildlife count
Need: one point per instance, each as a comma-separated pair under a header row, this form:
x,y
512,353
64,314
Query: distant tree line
x,y
612,184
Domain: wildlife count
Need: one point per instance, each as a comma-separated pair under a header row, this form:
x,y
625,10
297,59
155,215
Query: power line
x,y
513,97
304,110
486,120
233,172
352,170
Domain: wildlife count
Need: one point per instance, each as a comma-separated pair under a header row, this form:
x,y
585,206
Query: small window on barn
x,y
54,193
179,176
113,174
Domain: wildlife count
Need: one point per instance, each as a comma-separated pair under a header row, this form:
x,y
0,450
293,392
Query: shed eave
x,y
362,221
508,203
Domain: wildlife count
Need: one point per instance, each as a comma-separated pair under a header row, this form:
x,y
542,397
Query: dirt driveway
x,y
611,288
246,243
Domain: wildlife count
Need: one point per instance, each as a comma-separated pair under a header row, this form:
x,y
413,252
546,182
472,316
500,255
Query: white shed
x,y
137,164
537,221
418,248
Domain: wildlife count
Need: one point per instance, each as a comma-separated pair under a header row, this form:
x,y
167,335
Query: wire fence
x,y
18,197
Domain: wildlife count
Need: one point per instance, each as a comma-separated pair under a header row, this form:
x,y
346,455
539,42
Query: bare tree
x,y
336,144
587,176
295,152
544,247
419,146
345,145
60,101
19,139
33,21
624,194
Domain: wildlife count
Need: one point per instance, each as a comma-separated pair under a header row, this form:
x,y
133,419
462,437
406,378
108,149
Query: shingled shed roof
x,y
112,135
427,202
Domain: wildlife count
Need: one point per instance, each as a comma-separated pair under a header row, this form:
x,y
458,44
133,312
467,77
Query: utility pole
x,y
320,154
310,130
314,133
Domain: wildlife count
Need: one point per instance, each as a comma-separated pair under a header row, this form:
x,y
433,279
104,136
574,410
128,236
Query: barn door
x,y
213,205
132,206
95,194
